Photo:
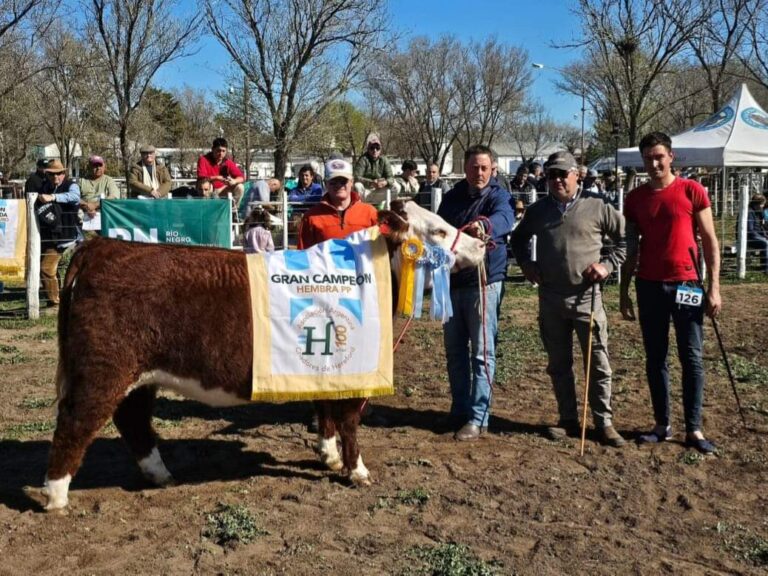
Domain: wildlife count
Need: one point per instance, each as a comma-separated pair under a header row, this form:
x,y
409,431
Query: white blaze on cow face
x,y
429,227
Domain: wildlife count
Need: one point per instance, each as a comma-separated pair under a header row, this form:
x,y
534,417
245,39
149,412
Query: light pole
x,y
539,66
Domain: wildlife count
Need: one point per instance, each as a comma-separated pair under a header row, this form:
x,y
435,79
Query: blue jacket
x,y
313,194
461,205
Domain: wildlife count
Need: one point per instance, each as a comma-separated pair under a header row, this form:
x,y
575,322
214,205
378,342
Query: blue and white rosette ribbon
x,y
438,263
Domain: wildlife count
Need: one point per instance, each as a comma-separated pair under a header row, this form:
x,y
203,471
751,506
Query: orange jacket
x,y
323,221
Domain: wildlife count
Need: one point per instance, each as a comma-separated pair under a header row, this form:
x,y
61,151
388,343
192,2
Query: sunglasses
x,y
555,174
374,147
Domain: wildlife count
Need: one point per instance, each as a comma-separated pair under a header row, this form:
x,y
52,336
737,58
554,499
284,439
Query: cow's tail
x,y
75,266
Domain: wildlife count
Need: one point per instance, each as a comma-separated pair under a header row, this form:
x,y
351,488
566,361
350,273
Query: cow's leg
x,y
133,419
82,412
326,436
348,420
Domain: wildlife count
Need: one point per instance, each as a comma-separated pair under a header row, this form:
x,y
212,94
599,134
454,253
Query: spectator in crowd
x,y
373,173
590,182
431,182
307,190
95,186
56,209
147,178
257,237
521,187
37,179
500,178
536,177
262,191
569,226
470,335
663,217
226,176
757,237
519,213
407,182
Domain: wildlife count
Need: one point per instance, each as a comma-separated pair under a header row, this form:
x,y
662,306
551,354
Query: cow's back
x,y
135,308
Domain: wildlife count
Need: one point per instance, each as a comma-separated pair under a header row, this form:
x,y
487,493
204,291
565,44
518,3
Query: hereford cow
x,y
137,316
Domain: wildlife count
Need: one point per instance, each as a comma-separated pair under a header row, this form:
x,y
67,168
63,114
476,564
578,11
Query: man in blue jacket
x,y
479,203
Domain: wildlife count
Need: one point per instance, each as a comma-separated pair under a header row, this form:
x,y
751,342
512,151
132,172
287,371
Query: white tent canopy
x,y
737,135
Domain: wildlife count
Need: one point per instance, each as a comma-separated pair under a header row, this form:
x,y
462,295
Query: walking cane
x,y
720,342
589,365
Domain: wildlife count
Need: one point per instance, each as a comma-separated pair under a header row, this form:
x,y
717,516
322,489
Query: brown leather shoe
x,y
610,437
470,432
564,428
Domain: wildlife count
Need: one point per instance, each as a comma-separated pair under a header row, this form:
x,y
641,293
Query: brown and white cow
x,y
134,317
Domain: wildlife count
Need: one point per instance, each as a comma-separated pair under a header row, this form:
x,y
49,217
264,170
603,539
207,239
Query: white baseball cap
x,y
338,168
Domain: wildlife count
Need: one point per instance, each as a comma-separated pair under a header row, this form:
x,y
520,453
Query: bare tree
x,y
491,83
628,45
136,38
66,89
300,55
413,85
533,131
756,62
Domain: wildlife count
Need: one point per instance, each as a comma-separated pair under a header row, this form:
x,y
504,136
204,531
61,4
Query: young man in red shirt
x,y
663,217
224,174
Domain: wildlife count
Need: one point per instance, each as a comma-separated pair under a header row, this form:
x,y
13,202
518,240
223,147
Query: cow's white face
x,y
429,227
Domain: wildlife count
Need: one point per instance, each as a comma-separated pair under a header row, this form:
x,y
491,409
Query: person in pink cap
x,y
96,185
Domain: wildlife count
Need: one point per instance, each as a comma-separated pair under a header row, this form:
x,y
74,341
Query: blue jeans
x,y
656,305
467,346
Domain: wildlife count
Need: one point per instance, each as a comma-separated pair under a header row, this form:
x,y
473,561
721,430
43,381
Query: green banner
x,y
183,221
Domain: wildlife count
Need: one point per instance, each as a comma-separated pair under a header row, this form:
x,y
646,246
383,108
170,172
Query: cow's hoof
x,y
359,479
332,463
155,471
56,504
57,492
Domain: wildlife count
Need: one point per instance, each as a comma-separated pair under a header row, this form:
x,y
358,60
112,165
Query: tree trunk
x,y
126,160
281,162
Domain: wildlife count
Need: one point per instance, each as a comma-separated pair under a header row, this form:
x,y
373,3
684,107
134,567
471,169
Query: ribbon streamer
x,y
412,249
440,264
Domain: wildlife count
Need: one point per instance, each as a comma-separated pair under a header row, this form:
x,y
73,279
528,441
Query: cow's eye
x,y
440,232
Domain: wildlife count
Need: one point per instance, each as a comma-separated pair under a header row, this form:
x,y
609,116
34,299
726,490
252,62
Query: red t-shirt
x,y
667,227
207,168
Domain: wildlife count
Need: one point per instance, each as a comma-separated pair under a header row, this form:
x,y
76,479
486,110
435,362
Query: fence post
x,y
285,220
742,230
33,259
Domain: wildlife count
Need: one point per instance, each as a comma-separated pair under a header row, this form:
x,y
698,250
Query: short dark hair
x,y
477,149
409,165
307,168
203,180
219,143
655,139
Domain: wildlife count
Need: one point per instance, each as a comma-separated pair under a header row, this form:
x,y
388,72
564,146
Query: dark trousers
x,y
656,306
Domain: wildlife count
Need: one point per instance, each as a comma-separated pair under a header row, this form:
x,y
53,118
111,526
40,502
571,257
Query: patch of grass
x,y
449,560
415,497
27,429
11,355
746,371
744,544
21,324
230,525
36,403
691,458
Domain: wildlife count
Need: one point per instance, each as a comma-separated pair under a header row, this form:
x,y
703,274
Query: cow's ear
x,y
392,222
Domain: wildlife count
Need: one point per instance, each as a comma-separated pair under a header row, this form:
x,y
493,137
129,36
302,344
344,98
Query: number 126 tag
x,y
689,296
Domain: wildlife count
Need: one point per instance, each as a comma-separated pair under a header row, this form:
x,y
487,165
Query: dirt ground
x,y
511,503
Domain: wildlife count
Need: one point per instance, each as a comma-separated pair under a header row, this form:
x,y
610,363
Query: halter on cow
x,y
134,317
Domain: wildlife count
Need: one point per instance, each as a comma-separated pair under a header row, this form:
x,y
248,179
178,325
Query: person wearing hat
x,y
589,183
569,225
36,180
373,173
95,186
407,182
147,178
56,208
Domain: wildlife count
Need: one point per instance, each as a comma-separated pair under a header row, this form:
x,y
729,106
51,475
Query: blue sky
x,y
532,25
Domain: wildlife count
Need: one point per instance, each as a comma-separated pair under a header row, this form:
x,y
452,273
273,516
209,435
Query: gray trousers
x,y
559,317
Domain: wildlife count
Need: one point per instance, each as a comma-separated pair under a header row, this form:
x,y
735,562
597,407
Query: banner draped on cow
x,y
322,320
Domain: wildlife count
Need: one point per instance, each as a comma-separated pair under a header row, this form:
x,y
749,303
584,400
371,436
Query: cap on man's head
x,y
373,138
55,167
43,162
409,165
95,160
561,161
147,149
338,169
